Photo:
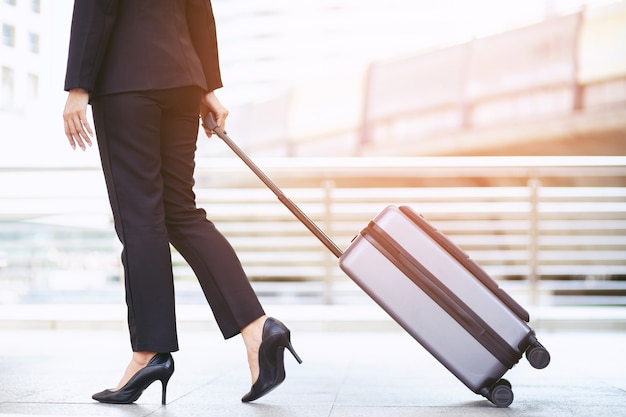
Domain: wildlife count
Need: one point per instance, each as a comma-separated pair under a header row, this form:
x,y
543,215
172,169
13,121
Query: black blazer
x,y
136,45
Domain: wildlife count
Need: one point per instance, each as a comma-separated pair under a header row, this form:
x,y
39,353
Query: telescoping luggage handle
x,y
210,123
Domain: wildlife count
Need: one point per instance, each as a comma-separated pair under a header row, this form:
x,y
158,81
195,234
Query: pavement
x,y
357,363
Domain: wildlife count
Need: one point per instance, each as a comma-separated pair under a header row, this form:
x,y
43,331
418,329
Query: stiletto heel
x,y
160,367
164,388
293,352
276,337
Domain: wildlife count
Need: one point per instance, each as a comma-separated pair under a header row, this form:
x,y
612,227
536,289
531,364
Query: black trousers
x,y
147,143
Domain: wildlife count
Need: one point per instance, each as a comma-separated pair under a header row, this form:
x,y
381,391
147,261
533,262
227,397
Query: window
x,y
33,86
35,6
7,88
33,42
8,35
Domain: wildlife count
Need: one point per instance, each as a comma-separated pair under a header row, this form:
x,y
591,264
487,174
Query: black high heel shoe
x,y
160,367
276,337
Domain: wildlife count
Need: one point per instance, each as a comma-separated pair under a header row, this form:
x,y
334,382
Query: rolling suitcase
x,y
434,291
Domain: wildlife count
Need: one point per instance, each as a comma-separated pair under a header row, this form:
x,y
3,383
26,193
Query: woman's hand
x,y
211,104
77,128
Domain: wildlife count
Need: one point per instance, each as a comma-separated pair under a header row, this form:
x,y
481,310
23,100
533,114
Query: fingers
x,y
78,131
220,121
210,103
77,128
220,118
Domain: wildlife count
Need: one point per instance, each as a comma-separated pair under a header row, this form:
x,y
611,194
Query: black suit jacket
x,y
136,45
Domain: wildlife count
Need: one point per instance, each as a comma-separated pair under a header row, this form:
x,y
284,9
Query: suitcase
x,y
434,291
444,300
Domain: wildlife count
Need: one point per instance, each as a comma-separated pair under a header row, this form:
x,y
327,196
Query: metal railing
x,y
551,230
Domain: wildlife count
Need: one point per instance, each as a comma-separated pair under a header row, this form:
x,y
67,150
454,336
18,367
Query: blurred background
x,y
502,122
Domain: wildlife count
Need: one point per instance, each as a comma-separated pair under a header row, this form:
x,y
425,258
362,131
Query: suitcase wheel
x,y
538,356
501,394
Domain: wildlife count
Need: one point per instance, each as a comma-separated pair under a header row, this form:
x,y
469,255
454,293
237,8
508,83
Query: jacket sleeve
x,y
92,23
201,23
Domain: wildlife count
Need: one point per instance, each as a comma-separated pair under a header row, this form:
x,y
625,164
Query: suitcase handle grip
x,y
209,123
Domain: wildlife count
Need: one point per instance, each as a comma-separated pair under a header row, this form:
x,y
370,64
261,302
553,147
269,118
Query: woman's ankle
x,y
253,332
138,361
252,336
142,358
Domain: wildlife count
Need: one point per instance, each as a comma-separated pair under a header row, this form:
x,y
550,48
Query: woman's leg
x,y
210,255
128,129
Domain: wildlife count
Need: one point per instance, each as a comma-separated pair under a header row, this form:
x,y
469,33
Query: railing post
x,y
533,239
329,259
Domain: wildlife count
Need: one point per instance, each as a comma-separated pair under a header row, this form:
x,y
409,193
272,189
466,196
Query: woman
x,y
149,70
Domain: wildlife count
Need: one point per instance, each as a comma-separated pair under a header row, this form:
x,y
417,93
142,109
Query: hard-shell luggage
x,y
444,300
434,290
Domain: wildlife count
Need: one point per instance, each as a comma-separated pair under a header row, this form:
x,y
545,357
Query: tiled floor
x,y
344,374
